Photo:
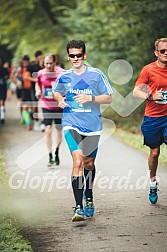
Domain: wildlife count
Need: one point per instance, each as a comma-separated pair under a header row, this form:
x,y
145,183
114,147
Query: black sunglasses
x,y
162,51
79,55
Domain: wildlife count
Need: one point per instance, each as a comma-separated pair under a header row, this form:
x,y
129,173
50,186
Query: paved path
x,y
42,200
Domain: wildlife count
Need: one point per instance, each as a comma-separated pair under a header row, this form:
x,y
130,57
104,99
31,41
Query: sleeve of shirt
x,y
59,86
104,86
143,77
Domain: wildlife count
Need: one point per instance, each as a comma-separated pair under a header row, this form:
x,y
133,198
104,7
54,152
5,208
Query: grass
x,y
10,233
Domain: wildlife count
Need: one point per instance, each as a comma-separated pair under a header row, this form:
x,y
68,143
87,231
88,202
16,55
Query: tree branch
x,y
47,9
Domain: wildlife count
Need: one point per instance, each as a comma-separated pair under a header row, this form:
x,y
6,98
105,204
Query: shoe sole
x,y
78,217
51,165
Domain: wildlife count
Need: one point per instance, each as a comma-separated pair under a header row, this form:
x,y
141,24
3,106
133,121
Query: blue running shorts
x,y
154,130
76,141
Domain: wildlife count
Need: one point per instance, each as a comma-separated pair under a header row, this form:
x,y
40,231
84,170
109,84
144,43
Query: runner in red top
x,y
151,86
51,112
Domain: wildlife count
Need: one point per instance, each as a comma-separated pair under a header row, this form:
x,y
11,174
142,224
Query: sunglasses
x,y
79,55
162,51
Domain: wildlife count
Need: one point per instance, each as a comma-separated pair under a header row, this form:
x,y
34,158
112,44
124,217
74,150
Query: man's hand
x,y
61,103
82,98
158,95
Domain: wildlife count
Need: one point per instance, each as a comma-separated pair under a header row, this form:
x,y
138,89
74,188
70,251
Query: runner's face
x,y
76,62
161,57
49,64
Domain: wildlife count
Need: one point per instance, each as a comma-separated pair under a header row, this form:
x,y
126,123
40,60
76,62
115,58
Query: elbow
x,y
109,99
134,93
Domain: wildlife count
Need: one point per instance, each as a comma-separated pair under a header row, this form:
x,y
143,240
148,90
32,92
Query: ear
x,y
84,57
68,58
155,52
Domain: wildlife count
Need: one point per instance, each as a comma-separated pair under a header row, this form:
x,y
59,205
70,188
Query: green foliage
x,y
112,29
10,239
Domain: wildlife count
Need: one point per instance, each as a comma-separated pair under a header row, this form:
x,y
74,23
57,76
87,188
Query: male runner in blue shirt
x,y
79,91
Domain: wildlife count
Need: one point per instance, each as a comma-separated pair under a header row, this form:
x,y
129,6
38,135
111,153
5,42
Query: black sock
x,y
50,155
89,177
57,152
78,185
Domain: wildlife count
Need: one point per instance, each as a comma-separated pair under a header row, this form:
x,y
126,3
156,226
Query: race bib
x,y
48,93
164,98
76,107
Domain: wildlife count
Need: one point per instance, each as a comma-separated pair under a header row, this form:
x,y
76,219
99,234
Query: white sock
x,y
153,183
2,112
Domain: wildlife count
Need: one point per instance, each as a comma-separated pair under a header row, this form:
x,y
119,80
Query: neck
x,y
79,71
161,64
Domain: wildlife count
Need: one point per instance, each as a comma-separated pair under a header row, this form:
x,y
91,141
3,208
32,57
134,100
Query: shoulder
x,y
149,67
95,70
58,69
66,73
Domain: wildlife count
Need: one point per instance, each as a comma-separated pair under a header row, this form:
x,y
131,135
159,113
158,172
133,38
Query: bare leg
x,y
59,136
48,134
153,162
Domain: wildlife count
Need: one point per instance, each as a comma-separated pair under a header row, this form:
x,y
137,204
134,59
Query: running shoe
x,y
29,127
79,214
51,162
153,196
88,206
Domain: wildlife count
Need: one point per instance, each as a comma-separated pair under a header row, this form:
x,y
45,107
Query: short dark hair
x,y
76,44
26,57
38,53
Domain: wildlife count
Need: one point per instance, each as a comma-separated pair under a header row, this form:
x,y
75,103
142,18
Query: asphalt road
x,y
42,199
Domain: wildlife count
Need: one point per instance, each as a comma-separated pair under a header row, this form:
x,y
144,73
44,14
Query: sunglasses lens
x,y
79,55
162,51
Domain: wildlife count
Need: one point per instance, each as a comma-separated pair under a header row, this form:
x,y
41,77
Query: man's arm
x,y
60,99
101,99
28,77
138,92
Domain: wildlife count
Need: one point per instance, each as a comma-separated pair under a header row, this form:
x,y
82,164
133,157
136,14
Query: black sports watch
x,y
93,98
150,97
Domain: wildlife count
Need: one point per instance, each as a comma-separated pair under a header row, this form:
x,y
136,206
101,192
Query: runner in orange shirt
x,y
153,78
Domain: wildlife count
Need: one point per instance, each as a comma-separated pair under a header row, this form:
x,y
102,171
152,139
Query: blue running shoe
x,y
88,206
153,197
79,214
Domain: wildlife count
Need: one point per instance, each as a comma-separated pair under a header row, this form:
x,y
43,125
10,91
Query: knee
x,y
89,165
48,130
78,164
154,153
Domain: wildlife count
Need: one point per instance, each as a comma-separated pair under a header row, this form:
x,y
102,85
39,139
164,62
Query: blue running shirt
x,y
84,118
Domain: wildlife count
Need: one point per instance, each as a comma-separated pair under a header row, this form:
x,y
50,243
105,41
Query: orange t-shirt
x,y
26,83
155,78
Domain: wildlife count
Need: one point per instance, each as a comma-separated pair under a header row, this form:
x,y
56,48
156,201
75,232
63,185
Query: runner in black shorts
x,y
51,111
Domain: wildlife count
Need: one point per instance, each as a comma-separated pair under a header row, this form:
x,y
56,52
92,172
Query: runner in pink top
x,y
51,112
